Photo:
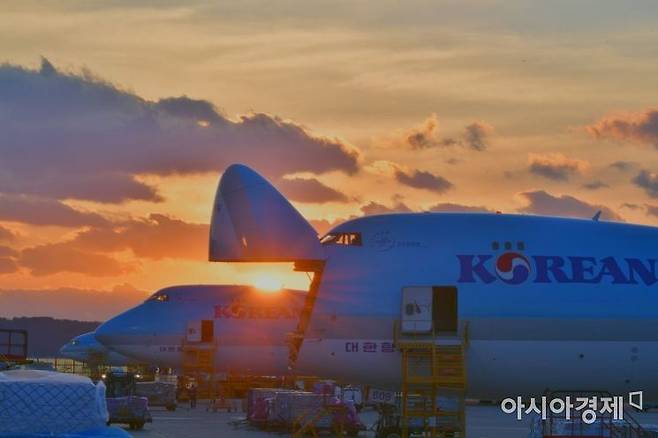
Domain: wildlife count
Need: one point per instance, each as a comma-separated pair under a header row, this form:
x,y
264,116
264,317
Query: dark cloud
x,y
647,181
106,187
476,135
450,207
61,257
69,303
309,190
595,185
376,208
76,136
420,179
638,127
623,166
43,211
193,109
544,203
556,167
427,136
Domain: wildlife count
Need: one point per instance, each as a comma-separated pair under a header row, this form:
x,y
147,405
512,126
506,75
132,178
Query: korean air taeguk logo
x,y
514,268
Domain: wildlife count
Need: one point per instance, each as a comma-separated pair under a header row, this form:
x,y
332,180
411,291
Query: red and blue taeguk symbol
x,y
512,268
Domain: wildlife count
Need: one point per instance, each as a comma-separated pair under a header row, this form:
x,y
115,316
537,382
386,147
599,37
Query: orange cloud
x,y
426,135
6,235
638,127
452,207
544,203
157,237
309,190
61,257
91,251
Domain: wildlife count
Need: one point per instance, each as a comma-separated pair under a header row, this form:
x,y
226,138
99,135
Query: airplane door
x,y
416,312
207,330
445,309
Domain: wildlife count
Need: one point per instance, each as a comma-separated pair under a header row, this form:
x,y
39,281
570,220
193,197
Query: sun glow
x,y
267,283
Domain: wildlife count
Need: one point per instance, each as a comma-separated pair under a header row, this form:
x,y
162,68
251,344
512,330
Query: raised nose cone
x,y
252,222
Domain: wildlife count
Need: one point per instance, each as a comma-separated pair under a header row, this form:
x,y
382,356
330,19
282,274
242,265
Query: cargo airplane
x,y
249,327
543,302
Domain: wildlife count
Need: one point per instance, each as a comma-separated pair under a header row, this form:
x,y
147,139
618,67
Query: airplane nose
x,y
121,329
134,328
106,332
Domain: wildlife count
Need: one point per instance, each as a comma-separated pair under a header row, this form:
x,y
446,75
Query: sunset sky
x,y
117,119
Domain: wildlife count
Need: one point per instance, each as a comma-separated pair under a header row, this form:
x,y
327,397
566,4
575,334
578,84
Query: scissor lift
x,y
199,364
432,370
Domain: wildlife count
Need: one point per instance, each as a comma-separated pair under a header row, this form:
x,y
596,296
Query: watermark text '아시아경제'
x,y
589,408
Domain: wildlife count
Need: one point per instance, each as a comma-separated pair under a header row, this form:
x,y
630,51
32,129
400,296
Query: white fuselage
x,y
572,304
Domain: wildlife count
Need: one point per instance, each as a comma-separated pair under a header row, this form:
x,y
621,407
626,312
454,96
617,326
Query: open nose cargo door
x,y
252,222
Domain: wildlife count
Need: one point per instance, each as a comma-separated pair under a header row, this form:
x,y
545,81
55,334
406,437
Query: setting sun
x,y
267,283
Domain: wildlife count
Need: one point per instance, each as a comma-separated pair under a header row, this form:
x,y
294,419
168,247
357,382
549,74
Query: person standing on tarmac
x,y
191,392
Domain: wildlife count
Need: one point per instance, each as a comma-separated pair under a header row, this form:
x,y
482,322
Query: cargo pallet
x,y
556,425
309,426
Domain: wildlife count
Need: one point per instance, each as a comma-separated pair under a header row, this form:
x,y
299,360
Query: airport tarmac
x,y
482,422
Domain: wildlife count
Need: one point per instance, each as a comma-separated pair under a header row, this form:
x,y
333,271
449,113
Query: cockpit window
x,y
159,297
349,239
75,342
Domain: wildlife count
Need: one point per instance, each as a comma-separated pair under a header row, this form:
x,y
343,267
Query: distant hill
x,y
70,303
46,335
